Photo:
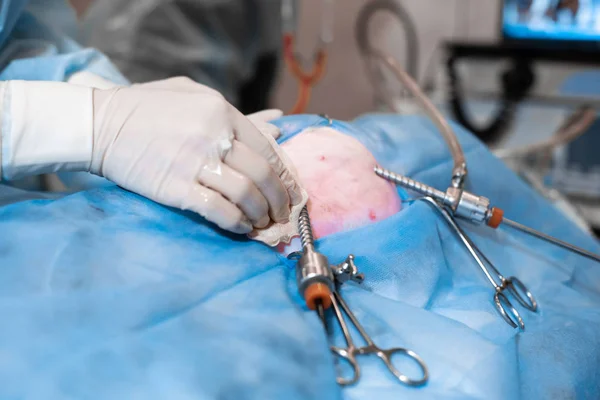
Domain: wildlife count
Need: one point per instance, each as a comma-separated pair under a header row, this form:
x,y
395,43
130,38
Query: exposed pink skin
x,y
337,172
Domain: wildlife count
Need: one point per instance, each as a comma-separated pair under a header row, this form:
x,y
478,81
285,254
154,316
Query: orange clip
x,y
306,80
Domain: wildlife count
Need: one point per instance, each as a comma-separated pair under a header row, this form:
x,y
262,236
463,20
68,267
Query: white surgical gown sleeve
x,y
49,142
36,45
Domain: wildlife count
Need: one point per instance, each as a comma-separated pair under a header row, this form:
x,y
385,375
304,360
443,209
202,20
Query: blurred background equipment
x,y
384,97
534,33
295,63
531,33
232,46
515,83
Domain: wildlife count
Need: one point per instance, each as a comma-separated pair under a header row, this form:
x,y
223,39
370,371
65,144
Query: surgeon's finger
x,y
179,83
265,115
216,209
267,129
264,146
242,159
238,189
248,134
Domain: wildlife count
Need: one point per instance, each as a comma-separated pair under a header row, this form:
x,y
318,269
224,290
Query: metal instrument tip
x,y
321,313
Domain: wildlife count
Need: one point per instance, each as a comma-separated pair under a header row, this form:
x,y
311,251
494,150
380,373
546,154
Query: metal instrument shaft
x,y
551,239
313,273
477,209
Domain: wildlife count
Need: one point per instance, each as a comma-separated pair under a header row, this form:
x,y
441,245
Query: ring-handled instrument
x,y
319,283
501,284
351,351
476,209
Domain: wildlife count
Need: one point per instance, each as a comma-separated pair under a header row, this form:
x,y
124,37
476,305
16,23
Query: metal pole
x,y
550,239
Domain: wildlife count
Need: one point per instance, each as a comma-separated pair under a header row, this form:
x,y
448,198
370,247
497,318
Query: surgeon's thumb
x,y
261,121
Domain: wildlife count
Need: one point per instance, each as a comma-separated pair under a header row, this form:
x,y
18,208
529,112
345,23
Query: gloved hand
x,y
199,154
175,141
261,121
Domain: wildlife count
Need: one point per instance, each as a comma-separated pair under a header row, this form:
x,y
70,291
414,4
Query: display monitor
x,y
557,23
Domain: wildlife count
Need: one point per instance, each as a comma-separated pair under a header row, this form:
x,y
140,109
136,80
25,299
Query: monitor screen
x,y
556,20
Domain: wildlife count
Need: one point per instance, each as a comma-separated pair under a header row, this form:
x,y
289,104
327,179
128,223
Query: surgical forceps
x,y
350,352
498,281
319,284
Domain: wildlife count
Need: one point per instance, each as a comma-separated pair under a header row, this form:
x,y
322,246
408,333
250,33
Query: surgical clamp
x,y
350,352
512,284
319,283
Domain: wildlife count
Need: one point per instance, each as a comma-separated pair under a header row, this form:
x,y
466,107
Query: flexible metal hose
x,y
408,183
306,234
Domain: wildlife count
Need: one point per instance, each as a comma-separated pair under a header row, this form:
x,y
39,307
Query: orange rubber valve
x,y
317,293
496,218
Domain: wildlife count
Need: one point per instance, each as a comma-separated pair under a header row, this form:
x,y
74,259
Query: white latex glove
x,y
176,142
85,78
199,154
261,121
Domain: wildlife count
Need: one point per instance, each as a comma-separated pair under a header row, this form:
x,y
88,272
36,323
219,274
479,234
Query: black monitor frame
x,y
521,51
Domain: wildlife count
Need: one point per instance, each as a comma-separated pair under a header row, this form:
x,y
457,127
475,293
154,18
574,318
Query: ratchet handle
x,y
347,356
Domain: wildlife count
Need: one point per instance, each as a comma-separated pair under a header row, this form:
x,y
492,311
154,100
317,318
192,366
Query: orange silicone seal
x,y
317,292
496,218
